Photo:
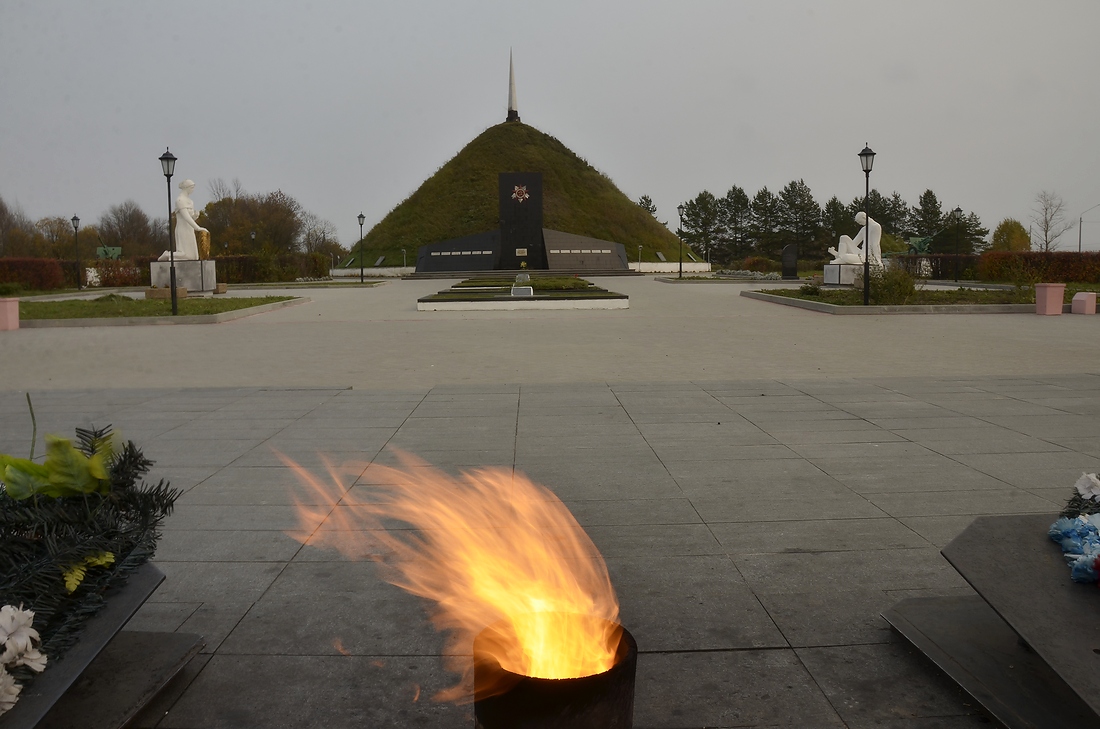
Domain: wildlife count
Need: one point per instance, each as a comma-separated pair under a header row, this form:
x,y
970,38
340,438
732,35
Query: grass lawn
x,y
114,305
538,283
853,297
488,289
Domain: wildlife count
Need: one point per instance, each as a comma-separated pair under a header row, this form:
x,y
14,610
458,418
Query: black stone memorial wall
x,y
521,221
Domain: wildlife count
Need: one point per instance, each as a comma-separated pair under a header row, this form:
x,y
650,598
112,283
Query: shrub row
x,y
938,266
269,269
41,274
1033,266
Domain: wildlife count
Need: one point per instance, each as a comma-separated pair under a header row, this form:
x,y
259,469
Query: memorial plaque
x,y
790,261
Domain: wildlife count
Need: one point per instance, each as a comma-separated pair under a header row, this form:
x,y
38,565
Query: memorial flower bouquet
x,y
1077,531
71,527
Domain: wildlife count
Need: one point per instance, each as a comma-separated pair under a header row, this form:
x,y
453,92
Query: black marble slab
x,y
966,639
1013,565
123,678
37,698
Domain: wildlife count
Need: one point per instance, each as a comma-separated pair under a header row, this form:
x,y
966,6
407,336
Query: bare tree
x,y
317,233
1049,218
220,189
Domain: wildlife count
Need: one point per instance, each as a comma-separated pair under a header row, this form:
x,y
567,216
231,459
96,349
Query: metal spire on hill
x,y
513,108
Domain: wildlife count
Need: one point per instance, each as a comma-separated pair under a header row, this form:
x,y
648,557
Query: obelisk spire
x,y
513,109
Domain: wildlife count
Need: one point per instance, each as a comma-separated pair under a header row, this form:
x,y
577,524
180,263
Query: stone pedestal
x,y
1084,303
841,274
190,275
9,314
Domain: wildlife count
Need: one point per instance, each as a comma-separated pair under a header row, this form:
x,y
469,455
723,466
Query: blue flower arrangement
x,y
1077,531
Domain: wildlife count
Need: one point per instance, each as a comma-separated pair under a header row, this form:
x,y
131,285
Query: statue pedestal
x,y
190,275
842,274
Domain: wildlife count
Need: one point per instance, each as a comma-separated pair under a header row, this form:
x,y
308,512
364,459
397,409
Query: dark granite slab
x,y
1012,564
966,638
46,689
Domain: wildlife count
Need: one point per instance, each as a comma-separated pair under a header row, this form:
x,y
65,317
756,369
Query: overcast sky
x,y
350,105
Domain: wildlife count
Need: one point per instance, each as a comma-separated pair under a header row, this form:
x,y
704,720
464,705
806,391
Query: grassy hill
x,y
461,199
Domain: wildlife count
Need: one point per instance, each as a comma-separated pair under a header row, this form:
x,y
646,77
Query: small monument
x,y
191,254
790,262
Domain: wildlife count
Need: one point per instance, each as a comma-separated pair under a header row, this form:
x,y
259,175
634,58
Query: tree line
x,y
240,223
730,228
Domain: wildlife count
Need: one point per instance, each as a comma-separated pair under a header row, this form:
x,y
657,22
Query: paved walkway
x,y
755,519
374,338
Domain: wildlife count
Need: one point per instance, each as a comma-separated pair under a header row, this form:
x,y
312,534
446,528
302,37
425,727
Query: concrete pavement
x,y
759,496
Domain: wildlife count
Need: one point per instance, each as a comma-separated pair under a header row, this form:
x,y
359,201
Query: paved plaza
x,y
763,481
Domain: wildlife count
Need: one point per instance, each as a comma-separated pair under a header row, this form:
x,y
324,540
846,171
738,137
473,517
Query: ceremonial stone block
x,y
191,275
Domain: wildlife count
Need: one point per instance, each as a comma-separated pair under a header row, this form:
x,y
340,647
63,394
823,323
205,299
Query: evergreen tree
x,y
765,223
702,223
645,202
736,223
926,218
799,217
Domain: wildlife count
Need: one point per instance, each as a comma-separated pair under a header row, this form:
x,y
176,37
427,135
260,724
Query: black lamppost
x,y
958,218
253,241
362,219
866,161
76,247
168,166
680,212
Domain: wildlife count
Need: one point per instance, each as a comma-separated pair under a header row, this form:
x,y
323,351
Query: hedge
x,y
270,269
938,266
1035,266
37,274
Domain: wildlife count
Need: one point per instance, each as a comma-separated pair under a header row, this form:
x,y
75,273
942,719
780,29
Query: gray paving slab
x,y
751,558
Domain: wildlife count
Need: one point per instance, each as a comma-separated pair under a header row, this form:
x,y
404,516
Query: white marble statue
x,y
187,249
849,250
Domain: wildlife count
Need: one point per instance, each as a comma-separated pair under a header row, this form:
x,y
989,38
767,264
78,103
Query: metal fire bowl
x,y
602,701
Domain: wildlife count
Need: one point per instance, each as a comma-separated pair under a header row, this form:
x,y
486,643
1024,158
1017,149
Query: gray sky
x,y
349,106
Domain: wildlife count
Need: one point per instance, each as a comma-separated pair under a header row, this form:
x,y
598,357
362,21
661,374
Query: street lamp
x,y
680,212
639,259
866,161
76,247
362,219
253,241
958,217
1080,222
168,166
404,259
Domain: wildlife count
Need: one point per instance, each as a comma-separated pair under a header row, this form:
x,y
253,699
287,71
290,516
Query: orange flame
x,y
489,548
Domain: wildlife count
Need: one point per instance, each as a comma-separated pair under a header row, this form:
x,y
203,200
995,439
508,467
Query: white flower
x,y
9,690
1089,486
33,659
16,634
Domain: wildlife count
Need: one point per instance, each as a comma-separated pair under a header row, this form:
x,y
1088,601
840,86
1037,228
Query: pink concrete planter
x,y
1048,298
9,314
1084,302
